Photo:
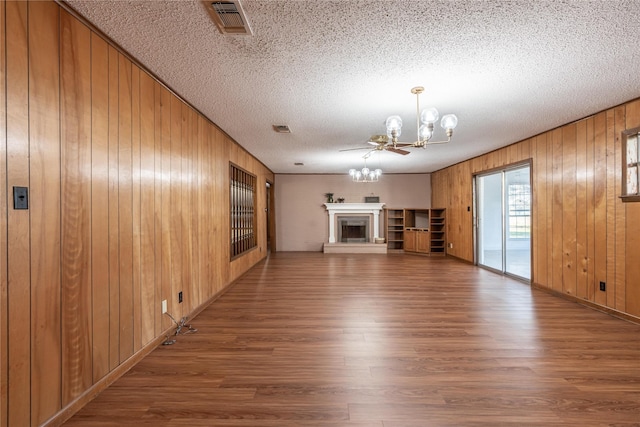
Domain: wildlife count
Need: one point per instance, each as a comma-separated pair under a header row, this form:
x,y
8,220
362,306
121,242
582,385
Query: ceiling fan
x,y
380,143
425,121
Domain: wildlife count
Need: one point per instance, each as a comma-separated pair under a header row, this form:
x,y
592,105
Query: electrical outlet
x,y
603,286
450,245
180,297
164,306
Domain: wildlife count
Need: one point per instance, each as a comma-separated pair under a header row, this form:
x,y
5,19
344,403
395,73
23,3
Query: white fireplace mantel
x,y
353,208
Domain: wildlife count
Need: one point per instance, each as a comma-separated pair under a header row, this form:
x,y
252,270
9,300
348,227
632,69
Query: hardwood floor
x,y
312,339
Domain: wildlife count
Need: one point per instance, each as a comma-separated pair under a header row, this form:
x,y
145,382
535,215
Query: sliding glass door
x,y
503,221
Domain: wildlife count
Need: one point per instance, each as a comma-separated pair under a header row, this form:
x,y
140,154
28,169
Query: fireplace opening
x,y
353,229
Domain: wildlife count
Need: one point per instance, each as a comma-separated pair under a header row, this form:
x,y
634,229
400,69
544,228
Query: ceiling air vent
x,y
281,128
229,17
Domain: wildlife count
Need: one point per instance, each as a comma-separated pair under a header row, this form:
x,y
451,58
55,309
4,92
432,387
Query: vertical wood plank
x,y
18,261
569,276
100,204
591,209
540,234
147,208
158,316
201,209
549,203
114,214
611,209
620,214
44,168
632,242
600,205
165,110
75,68
206,144
136,209
186,211
125,209
4,333
582,258
195,212
176,207
558,213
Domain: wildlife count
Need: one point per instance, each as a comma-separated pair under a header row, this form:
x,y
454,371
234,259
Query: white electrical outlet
x,y
164,306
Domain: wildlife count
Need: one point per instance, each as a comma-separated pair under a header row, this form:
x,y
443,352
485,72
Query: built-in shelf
x,y
416,230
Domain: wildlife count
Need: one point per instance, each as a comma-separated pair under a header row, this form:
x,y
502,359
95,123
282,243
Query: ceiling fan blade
x,y
398,151
404,144
353,149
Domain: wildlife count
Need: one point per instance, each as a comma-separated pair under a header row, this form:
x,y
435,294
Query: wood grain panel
x,y
557,212
187,210
4,335
196,293
158,179
582,258
18,260
611,190
620,216
210,140
114,214
223,217
125,210
176,207
44,168
147,208
590,204
600,205
136,208
632,242
568,207
100,205
165,262
550,228
539,237
75,66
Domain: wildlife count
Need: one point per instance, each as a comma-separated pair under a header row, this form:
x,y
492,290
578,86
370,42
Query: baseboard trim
x,y
590,304
70,410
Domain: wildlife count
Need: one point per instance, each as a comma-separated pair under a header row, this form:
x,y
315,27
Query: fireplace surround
x,y
371,211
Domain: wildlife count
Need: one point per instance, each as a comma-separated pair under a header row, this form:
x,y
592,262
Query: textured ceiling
x,y
334,70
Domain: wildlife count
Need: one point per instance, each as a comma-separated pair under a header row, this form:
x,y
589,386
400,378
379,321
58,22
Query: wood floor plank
x,y
309,339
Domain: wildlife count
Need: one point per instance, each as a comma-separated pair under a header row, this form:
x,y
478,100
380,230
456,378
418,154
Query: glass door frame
x,y
476,256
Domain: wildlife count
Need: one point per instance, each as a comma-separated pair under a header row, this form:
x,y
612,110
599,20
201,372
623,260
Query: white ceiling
x,y
334,70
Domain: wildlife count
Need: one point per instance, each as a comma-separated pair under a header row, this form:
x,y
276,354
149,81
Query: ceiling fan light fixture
x,y
449,122
394,123
425,131
429,115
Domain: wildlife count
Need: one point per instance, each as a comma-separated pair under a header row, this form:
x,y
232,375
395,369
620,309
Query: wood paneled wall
x,y
129,199
582,233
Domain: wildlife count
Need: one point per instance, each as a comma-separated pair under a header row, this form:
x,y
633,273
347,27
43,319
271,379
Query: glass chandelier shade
x,y
425,123
365,174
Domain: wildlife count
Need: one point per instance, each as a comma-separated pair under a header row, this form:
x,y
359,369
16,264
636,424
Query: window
x,y
243,211
519,199
630,176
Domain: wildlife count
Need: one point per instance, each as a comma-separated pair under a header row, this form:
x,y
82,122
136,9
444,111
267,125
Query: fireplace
x,y
353,229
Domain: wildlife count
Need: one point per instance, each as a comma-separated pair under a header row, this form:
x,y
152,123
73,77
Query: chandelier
x,y
365,174
424,122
